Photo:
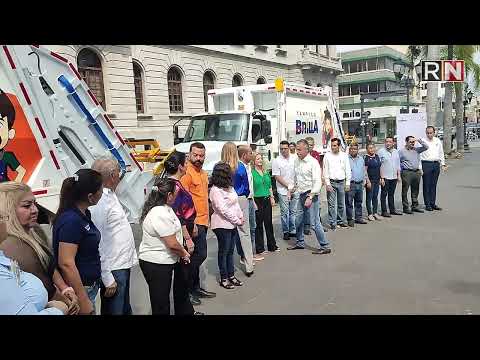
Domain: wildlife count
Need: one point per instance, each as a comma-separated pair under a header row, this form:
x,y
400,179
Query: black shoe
x,y
249,273
361,221
286,236
306,232
417,210
343,225
385,214
295,248
202,293
407,211
428,208
198,313
321,251
292,235
351,223
195,300
332,227
435,207
395,213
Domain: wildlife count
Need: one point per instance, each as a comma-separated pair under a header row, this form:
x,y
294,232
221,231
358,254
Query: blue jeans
x,y
336,199
226,243
314,221
288,210
253,222
92,292
119,303
354,197
372,197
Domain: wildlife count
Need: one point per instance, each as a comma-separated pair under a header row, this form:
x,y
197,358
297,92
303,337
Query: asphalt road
x,y
412,264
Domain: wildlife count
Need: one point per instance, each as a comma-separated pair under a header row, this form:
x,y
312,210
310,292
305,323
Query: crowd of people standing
x,y
93,251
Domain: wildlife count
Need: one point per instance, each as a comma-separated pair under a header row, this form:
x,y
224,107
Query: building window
x,y
372,64
308,83
305,46
316,49
373,87
382,86
355,89
381,63
344,90
346,68
261,80
138,83
364,88
90,69
327,50
208,84
279,46
237,80
175,100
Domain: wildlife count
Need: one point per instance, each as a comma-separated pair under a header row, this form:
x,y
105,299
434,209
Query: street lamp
x,y
404,78
466,101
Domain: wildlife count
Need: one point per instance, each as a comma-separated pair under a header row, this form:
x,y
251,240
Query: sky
x,y
343,48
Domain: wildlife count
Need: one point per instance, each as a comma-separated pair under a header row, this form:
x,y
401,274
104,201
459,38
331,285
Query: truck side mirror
x,y
176,138
266,128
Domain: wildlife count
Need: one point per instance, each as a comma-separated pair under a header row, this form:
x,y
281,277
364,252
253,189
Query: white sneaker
x,y
378,217
371,218
258,257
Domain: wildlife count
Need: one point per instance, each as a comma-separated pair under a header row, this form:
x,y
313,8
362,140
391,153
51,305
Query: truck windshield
x,y
221,127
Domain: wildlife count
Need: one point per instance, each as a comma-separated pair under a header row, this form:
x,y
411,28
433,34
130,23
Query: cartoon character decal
x,y
19,151
7,133
327,133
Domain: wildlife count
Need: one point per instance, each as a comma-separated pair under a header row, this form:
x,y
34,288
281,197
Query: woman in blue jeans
x,y
227,215
372,168
76,238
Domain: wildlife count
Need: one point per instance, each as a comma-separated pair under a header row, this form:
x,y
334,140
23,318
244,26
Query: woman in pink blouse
x,y
227,215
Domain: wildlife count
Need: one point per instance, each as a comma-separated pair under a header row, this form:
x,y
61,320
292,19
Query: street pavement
x,y
411,264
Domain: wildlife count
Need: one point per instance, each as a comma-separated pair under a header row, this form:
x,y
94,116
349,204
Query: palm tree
x,y
472,69
447,110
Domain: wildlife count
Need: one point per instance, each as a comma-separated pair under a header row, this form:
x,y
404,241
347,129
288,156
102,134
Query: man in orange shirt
x,y
195,181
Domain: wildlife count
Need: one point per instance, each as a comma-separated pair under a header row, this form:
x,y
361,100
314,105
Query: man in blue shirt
x,y
355,195
243,187
390,175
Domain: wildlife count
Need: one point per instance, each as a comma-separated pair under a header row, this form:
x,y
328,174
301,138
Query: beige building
x,y
146,89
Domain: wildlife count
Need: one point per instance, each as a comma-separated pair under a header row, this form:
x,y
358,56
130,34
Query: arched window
x,y
261,80
90,69
138,83
237,80
308,83
175,99
208,84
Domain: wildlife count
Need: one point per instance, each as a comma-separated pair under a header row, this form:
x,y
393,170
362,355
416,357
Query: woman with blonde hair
x,y
241,184
27,244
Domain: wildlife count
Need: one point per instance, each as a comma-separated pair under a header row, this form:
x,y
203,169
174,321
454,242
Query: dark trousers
x,y
226,244
263,218
372,197
119,303
159,280
388,190
410,179
431,172
192,271
354,197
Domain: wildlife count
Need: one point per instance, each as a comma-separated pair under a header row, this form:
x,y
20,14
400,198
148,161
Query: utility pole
x,y
432,88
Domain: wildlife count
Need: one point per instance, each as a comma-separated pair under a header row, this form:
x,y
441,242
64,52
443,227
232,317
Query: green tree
x,y
472,70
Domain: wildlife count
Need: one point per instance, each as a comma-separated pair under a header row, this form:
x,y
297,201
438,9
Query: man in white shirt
x,y
284,173
308,183
117,245
337,175
432,159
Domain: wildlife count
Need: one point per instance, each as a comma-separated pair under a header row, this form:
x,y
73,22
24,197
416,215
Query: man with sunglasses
x,y
411,171
117,244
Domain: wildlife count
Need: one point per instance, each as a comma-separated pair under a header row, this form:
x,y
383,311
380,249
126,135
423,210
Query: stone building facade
x,y
146,89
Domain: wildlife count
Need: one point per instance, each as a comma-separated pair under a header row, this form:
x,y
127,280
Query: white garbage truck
x,y
51,125
263,115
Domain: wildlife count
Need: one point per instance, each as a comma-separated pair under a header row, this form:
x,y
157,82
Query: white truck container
x,y
264,115
51,125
